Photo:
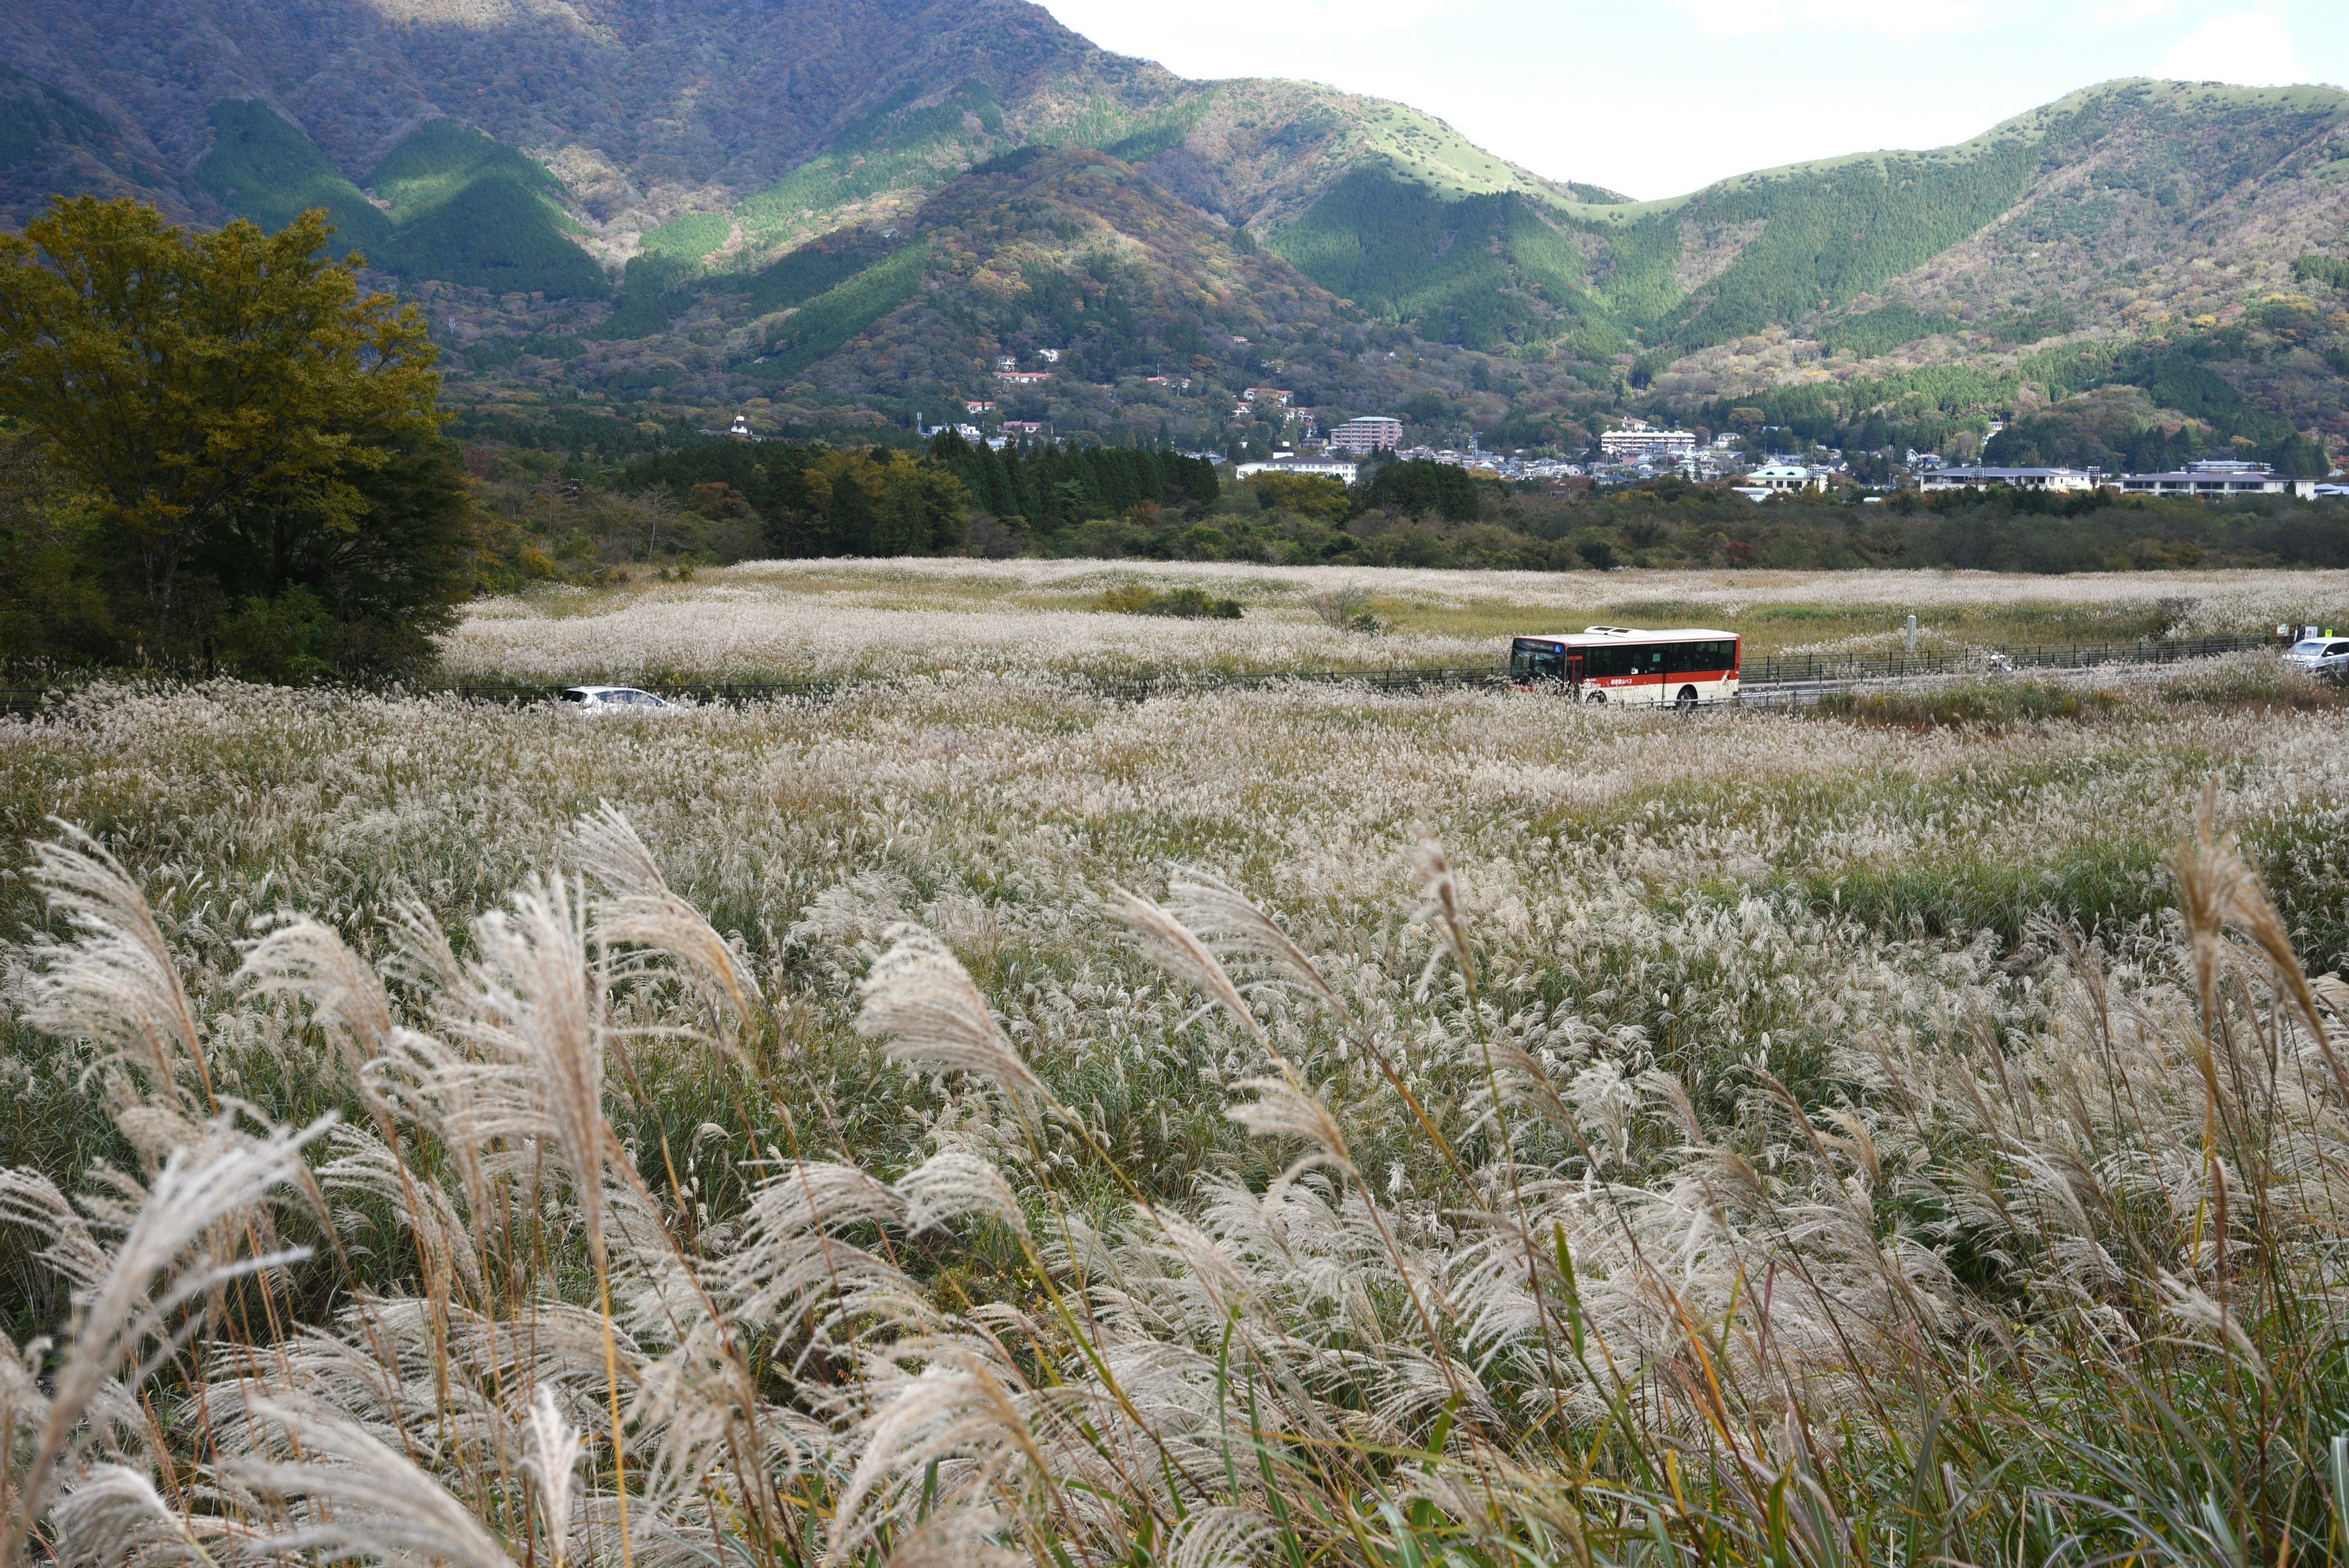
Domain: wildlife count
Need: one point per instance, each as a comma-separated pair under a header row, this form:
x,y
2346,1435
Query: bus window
x,y
1700,658
1535,661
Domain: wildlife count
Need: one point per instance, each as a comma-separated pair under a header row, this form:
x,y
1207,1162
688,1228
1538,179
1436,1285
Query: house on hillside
x,y
1784,478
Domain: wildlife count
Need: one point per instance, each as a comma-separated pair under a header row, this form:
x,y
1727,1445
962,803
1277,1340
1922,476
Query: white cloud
x,y
2248,48
2130,13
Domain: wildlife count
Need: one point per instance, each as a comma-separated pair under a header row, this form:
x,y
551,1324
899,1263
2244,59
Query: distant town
x,y
1271,432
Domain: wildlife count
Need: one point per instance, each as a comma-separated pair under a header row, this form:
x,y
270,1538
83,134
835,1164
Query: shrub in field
x,y
1988,705
2063,1293
1181,604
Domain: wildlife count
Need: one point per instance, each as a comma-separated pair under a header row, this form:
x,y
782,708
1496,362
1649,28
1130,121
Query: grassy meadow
x,y
973,1120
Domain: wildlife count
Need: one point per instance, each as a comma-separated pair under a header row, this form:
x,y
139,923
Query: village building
x,y
1639,439
1336,468
2012,478
1783,479
1372,433
2215,478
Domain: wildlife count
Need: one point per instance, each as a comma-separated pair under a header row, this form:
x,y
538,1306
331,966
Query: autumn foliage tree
x,y
248,440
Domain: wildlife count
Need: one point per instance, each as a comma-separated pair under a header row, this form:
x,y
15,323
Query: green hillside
x,y
464,209
262,168
36,120
1480,270
902,148
472,211
827,323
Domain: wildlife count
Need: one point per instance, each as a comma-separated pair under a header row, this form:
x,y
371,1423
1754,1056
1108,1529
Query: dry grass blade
x,y
116,983
921,1002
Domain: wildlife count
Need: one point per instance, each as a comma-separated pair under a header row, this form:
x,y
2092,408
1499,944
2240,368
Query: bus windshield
x,y
1532,662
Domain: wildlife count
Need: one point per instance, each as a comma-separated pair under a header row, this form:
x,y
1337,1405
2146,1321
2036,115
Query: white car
x,y
2320,656
615,700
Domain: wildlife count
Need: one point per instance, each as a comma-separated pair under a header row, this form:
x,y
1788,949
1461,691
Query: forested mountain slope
x,y
687,128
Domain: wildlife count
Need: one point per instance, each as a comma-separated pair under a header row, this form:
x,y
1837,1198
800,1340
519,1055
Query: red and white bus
x,y
1680,668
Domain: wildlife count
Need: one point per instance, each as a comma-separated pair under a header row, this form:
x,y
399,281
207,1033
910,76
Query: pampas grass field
x,y
975,1121
784,620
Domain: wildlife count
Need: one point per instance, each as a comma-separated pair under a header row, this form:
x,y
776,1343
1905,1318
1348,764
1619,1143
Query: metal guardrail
x,y
1777,670
1787,669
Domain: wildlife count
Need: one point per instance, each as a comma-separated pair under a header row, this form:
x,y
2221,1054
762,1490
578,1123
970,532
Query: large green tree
x,y
241,418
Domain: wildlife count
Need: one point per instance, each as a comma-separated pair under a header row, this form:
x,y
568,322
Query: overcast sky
x,y
1654,97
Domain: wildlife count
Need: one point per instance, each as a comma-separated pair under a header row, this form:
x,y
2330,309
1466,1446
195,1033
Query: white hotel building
x,y
1637,440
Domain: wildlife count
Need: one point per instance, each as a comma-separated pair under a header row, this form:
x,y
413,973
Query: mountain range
x,y
854,210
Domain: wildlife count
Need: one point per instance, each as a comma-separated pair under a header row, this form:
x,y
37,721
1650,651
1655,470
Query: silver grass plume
x,y
2217,890
953,1538
1221,1537
1286,1108
310,959
114,1517
157,1268
921,1002
552,1460
1173,947
1232,928
115,983
1441,891
955,1182
533,974
640,908
948,1412
359,1499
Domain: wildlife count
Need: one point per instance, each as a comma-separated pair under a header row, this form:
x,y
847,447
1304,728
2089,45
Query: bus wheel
x,y
1687,703
1599,699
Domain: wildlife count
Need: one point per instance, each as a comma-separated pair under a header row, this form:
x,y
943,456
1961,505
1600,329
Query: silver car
x,y
2320,656
601,700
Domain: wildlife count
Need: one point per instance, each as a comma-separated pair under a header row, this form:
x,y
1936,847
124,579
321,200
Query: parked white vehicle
x,y
603,700
2320,656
